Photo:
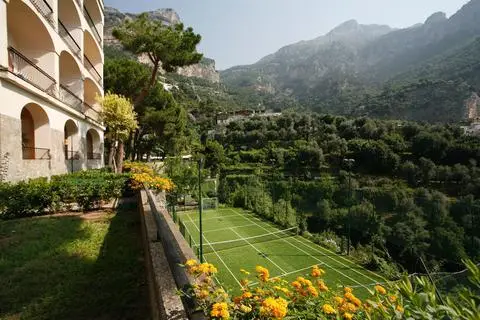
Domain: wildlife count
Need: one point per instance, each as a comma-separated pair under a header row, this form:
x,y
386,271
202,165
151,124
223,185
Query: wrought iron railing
x,y
72,155
35,153
70,98
23,68
90,22
95,74
45,10
69,40
94,156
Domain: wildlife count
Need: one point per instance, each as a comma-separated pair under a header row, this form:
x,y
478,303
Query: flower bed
x,y
310,298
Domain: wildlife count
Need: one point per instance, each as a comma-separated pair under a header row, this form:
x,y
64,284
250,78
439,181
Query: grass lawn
x,y
236,239
73,267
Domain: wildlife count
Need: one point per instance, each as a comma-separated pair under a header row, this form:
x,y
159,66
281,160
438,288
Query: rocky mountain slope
x,y
334,72
113,17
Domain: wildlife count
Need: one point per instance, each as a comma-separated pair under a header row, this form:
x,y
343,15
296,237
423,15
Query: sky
x,y
238,32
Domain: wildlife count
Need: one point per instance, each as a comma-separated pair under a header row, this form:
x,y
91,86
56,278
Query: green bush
x,y
87,189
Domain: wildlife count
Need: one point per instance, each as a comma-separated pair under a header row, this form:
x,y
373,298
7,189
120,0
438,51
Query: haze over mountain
x,y
333,72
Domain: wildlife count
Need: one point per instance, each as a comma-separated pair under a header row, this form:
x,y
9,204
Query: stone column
x,y
3,34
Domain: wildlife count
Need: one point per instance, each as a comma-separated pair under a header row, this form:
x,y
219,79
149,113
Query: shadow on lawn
x,y
72,268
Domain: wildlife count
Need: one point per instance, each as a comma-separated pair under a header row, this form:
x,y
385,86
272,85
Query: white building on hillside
x,y
51,70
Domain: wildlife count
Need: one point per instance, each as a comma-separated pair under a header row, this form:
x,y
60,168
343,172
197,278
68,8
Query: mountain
x,y
113,17
344,70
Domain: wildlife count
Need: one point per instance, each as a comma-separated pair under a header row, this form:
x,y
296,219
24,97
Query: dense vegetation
x,y
81,190
412,190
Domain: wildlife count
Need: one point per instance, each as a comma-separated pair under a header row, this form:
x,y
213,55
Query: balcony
x,y
44,9
91,113
35,153
69,40
95,74
70,98
90,22
25,69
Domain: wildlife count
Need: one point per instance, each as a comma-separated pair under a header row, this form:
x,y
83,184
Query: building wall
x,y
17,93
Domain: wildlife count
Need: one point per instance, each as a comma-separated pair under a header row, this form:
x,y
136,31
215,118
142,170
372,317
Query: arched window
x,y
28,135
71,143
93,145
35,132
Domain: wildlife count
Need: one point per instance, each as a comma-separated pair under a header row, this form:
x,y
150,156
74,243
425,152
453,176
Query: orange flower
x,y
263,273
380,289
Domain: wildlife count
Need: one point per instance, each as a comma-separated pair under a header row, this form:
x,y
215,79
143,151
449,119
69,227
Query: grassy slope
x,y
72,268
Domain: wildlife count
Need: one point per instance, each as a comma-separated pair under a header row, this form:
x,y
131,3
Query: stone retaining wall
x,y
165,250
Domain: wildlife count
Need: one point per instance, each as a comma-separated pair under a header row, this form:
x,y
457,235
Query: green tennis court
x,y
236,239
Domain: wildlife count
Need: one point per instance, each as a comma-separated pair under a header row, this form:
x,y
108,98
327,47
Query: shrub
x,y
309,297
144,175
87,189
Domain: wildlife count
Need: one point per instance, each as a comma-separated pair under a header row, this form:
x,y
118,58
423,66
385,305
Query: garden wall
x,y
165,250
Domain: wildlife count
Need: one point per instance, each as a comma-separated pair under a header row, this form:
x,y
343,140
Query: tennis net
x,y
235,243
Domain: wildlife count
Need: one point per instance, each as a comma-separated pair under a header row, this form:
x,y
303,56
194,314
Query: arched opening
x,y
31,51
70,25
93,15
35,132
71,84
90,93
71,142
92,59
93,145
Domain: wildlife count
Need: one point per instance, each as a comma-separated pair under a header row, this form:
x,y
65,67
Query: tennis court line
x,y
287,274
206,240
276,265
315,258
227,228
323,253
311,245
204,219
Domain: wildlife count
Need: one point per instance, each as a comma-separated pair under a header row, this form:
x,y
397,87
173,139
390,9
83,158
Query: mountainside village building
x,y
51,71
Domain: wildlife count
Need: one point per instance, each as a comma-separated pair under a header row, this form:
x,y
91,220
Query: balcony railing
x,y
25,69
69,40
95,74
45,10
35,153
92,25
91,113
94,156
72,155
70,98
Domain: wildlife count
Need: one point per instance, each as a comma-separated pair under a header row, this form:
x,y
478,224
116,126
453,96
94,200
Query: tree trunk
x,y
150,84
111,154
120,156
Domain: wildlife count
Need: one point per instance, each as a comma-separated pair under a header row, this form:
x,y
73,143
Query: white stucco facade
x,y
51,71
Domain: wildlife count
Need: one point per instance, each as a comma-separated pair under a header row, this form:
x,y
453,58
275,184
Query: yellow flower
x,y
220,310
322,286
348,316
245,309
328,309
392,298
203,294
312,291
281,289
338,300
296,284
348,290
244,271
247,294
380,289
191,262
399,308
274,308
263,273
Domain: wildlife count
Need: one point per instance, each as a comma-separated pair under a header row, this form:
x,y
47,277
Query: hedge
x,y
85,190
